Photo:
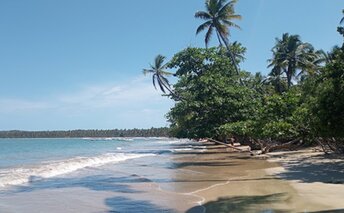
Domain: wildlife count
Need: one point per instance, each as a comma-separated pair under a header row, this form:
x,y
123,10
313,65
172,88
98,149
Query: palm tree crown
x,y
158,74
218,17
290,55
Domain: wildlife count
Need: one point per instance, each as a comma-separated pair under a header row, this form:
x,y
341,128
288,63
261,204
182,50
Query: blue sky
x,y
77,64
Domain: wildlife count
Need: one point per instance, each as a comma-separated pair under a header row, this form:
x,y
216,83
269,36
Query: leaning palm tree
x,y
218,17
158,74
342,20
292,56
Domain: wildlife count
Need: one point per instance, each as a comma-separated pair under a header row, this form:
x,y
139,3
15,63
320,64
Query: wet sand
x,y
215,180
206,178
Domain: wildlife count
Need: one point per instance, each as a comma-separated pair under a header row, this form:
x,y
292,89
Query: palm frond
x,y
165,82
202,15
208,35
165,73
223,31
227,9
161,85
203,27
147,71
154,79
159,61
211,6
231,24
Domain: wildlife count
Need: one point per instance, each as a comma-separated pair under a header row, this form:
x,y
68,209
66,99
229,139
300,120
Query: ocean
x,y
85,174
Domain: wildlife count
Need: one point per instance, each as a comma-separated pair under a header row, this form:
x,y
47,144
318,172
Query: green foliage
x,y
212,92
291,58
152,132
301,98
218,17
159,74
279,130
237,129
327,104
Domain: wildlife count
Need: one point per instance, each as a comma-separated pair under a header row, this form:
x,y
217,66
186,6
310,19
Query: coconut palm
x,y
277,80
218,17
158,74
291,56
342,20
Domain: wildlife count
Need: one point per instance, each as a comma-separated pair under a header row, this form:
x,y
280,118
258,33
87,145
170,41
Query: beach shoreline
x,y
190,177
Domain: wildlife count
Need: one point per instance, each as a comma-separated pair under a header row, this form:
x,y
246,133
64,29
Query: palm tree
x,y
277,80
341,29
158,74
218,17
290,55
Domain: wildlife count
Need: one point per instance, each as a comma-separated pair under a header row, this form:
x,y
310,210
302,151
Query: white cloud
x,y
106,96
129,104
134,93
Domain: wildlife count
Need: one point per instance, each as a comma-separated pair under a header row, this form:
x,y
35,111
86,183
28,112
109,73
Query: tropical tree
x,y
218,17
291,55
212,95
277,80
159,74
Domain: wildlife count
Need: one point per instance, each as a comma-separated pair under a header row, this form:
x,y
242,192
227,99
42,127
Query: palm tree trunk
x,y
171,92
232,57
289,75
218,37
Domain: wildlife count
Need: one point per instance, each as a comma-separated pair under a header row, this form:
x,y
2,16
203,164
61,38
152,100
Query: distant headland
x,y
152,132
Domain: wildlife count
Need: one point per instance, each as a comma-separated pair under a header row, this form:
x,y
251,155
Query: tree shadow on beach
x,y
330,211
123,204
211,180
179,165
242,204
200,153
315,169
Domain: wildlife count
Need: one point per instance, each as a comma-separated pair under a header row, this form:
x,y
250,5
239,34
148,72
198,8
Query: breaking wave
x,y
22,175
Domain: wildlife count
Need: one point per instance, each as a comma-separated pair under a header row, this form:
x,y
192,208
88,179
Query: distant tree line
x,y
152,132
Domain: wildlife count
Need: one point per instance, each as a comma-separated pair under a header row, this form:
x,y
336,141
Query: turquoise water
x,y
20,152
43,175
25,160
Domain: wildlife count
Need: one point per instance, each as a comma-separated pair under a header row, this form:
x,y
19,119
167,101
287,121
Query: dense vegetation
x,y
152,132
300,101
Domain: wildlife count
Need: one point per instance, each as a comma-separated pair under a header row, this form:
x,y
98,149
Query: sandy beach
x,y
317,177
299,181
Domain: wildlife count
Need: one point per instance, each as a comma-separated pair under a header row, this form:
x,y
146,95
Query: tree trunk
x,y
171,92
227,145
232,57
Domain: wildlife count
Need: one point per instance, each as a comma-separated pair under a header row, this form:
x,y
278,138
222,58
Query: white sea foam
x,y
182,149
174,141
17,176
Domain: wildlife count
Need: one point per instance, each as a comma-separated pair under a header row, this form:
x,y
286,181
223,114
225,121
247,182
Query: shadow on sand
x,y
241,204
315,169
